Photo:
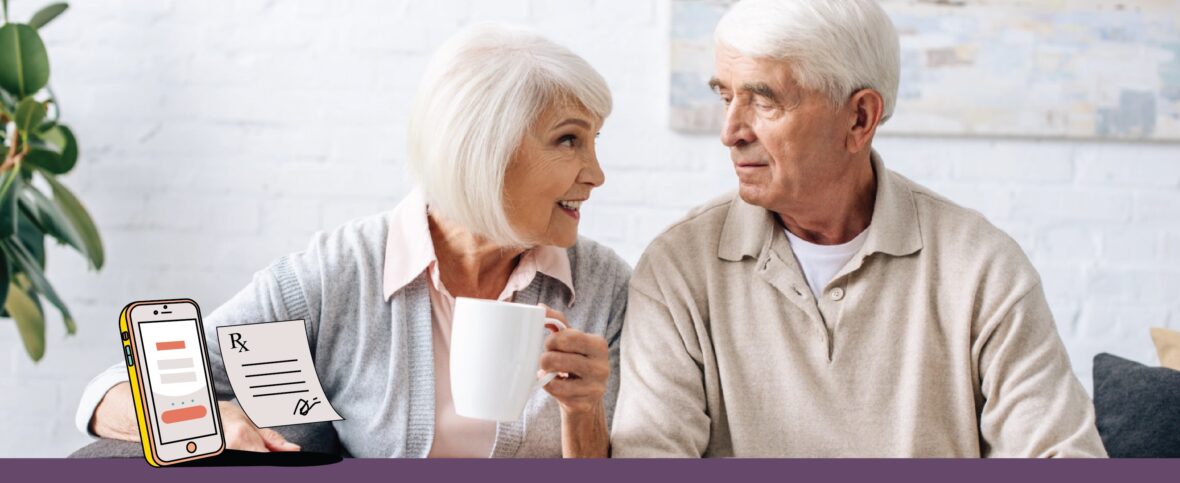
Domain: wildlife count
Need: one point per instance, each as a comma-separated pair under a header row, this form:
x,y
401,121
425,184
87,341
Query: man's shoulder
x,y
690,244
702,223
963,235
940,216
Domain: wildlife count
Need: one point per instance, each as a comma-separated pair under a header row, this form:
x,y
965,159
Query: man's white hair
x,y
836,47
483,89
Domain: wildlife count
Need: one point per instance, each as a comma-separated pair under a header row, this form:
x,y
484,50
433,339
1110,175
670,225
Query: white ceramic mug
x,y
495,355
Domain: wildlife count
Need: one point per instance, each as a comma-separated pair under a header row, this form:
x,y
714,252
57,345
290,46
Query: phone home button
x,y
191,447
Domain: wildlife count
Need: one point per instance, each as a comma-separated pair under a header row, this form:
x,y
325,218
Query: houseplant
x,y
38,148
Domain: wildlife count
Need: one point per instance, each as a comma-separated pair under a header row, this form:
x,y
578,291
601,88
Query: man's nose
x,y
736,130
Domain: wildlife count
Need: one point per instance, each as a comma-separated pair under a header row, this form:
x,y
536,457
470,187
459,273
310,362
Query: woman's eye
x,y
567,140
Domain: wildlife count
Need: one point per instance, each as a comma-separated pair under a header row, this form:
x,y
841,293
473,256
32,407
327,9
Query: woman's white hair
x,y
836,47
483,89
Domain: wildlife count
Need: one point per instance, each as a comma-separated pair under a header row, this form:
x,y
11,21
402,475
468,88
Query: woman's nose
x,y
592,174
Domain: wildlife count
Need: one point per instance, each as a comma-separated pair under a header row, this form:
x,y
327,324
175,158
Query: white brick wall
x,y
217,136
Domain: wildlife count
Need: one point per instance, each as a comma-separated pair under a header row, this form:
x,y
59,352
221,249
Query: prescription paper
x,y
270,368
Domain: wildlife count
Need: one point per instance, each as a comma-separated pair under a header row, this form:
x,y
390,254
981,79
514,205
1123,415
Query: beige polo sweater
x,y
934,340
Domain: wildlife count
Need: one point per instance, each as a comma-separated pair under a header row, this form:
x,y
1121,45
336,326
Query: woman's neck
x,y
468,264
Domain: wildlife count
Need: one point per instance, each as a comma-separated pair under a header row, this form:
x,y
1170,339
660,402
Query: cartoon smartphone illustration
x,y
168,365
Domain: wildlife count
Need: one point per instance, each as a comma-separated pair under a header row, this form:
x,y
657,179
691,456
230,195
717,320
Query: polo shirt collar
x,y
748,229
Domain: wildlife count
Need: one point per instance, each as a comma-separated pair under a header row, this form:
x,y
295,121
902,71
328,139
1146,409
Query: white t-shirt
x,y
821,262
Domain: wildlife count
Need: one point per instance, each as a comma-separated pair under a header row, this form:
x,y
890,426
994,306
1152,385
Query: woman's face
x,y
552,173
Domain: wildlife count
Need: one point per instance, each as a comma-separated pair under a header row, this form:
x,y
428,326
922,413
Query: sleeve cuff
x,y
95,390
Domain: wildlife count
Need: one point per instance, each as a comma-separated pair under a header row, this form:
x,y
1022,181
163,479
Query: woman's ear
x,y
867,107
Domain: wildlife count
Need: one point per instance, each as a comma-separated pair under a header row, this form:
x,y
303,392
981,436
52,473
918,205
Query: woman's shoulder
x,y
367,234
593,262
334,265
343,251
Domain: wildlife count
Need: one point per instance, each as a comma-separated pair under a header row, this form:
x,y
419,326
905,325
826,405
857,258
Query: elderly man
x,y
833,307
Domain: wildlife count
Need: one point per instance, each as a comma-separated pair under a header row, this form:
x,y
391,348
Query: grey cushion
x,y
1138,408
109,448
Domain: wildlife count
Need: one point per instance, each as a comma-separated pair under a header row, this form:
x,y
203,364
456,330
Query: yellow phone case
x,y
145,435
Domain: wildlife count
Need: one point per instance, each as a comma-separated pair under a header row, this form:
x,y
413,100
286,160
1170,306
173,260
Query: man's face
x,y
786,143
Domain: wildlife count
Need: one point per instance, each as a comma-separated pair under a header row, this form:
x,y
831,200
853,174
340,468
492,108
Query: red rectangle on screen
x,y
183,414
170,345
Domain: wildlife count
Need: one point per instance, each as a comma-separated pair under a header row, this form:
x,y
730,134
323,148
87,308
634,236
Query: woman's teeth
x,y
570,205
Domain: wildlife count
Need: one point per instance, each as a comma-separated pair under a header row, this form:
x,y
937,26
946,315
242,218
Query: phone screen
x,y
176,382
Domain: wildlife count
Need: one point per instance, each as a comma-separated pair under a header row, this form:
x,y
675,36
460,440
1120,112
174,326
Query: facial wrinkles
x,y
549,171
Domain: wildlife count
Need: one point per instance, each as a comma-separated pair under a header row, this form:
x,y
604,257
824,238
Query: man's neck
x,y
836,213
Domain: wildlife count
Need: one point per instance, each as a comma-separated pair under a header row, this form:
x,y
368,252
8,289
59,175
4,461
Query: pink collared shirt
x,y
409,251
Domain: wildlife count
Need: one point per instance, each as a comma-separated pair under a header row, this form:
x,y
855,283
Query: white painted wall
x,y
217,136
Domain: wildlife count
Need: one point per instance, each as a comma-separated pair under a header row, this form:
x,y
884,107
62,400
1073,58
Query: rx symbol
x,y
236,342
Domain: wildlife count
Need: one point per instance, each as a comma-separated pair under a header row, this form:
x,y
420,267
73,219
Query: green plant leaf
x,y
46,124
30,234
47,160
10,184
24,64
68,144
49,217
20,280
25,200
47,14
29,321
54,103
23,261
33,241
80,220
52,112
55,150
29,114
38,142
8,102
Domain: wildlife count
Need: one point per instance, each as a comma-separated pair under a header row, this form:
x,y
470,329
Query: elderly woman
x,y
502,145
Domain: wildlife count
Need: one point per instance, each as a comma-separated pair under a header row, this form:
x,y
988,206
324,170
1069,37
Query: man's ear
x,y
865,109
